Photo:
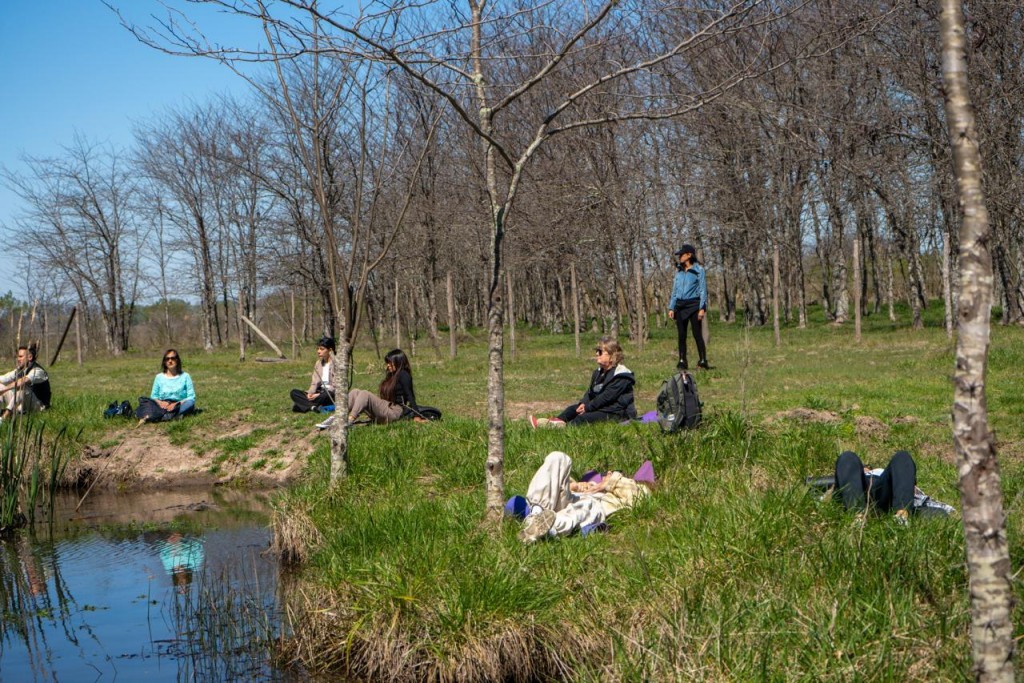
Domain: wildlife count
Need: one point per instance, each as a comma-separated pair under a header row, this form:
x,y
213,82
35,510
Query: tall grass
x,y
31,465
732,570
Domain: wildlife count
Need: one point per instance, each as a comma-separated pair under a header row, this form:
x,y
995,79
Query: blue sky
x,y
69,66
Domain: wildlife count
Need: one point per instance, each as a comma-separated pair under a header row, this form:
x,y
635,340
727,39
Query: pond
x,y
167,586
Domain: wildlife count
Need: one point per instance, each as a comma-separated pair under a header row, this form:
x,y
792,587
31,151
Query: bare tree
x,y
86,203
178,156
988,557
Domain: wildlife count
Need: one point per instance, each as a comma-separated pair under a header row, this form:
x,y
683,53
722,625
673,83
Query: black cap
x,y
327,343
686,249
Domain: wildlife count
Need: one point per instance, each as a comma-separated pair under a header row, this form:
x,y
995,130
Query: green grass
x,y
731,571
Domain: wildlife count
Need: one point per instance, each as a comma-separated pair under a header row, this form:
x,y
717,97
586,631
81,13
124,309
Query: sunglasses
x,y
167,358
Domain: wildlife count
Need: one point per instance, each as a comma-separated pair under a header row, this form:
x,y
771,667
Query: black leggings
x,y
302,404
686,313
891,490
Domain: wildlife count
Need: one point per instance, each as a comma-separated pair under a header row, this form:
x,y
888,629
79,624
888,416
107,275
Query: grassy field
x,y
732,570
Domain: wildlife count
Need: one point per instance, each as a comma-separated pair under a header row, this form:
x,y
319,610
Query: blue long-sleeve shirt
x,y
690,284
177,388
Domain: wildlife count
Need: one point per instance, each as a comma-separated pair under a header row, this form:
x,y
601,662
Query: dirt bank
x,y
144,458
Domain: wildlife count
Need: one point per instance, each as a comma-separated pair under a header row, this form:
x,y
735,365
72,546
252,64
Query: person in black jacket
x,y
610,395
395,397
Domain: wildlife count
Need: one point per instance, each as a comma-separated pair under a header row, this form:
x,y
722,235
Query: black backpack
x,y
679,406
427,412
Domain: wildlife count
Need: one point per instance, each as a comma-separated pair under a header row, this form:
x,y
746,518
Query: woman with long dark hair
x,y
173,393
689,303
395,398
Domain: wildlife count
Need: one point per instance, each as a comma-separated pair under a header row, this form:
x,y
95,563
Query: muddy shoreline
x,y
145,459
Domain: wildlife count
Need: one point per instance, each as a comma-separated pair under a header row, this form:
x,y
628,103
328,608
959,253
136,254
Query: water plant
x,y
31,465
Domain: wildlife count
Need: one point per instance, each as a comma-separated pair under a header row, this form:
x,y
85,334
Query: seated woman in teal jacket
x,y
172,393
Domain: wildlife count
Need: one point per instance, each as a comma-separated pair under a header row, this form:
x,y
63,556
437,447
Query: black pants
x,y
302,404
891,490
685,314
569,416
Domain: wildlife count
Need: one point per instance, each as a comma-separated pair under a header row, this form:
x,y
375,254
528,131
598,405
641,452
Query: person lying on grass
x,y
892,489
560,506
609,397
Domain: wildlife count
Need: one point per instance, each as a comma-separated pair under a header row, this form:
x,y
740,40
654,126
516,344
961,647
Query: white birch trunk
x,y
988,558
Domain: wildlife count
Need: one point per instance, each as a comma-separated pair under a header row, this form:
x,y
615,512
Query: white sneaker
x,y
536,526
326,423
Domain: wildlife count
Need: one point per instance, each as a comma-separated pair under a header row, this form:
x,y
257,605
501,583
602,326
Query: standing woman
x,y
689,303
172,393
395,397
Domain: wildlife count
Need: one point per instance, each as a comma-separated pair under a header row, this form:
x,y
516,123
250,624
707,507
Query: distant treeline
x,y
818,166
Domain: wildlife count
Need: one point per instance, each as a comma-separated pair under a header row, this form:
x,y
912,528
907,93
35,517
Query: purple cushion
x,y
645,473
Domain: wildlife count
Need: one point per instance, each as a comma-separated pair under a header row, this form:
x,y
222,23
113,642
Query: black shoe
x,y
681,365
111,410
702,363
125,409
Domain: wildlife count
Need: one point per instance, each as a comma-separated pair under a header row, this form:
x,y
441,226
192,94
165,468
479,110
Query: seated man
x,y
559,506
321,384
891,489
27,387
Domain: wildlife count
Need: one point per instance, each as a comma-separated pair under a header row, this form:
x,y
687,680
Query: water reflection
x,y
155,587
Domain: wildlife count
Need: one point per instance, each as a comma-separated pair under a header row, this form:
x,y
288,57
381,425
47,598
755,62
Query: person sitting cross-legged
x,y
172,394
609,396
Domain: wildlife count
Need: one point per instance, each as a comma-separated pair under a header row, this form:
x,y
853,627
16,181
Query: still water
x,y
169,586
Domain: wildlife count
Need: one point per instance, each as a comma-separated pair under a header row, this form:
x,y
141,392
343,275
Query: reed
x,y
31,466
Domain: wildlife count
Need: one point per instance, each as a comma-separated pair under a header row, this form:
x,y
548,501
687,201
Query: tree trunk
x,y
856,288
890,279
339,427
78,339
574,286
240,310
451,317
398,316
295,344
639,305
947,287
510,308
988,557
775,294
